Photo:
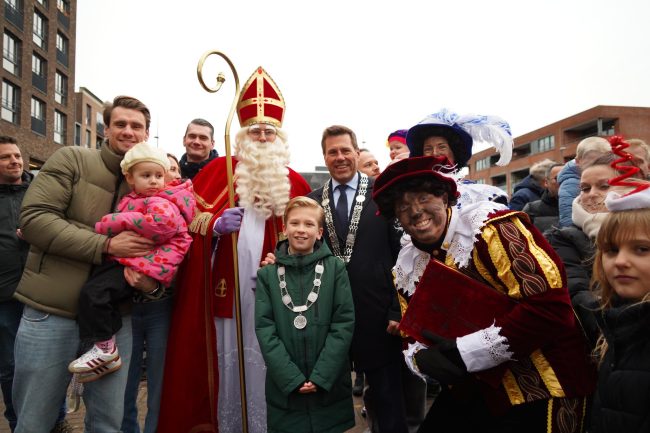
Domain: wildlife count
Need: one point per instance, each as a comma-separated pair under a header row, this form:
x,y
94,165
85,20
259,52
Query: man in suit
x,y
369,246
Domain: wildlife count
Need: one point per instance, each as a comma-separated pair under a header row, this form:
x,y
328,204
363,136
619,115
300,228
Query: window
x,y
545,144
77,134
88,114
483,164
99,126
43,2
61,43
39,73
63,6
14,13
61,49
38,109
11,53
60,88
40,30
39,66
59,127
38,116
10,102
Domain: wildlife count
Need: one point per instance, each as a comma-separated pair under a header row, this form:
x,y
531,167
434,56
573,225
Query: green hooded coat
x,y
318,353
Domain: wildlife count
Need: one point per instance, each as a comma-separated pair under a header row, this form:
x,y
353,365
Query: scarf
x,y
589,222
190,169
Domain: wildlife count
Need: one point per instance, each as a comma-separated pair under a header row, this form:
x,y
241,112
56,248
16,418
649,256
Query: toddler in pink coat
x,y
155,211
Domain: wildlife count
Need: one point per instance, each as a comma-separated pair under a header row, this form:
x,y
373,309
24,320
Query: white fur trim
x,y
484,349
616,202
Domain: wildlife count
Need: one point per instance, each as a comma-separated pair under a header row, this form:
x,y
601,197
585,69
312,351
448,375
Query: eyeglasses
x,y
258,132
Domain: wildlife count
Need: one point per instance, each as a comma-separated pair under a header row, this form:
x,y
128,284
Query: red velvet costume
x,y
191,384
549,359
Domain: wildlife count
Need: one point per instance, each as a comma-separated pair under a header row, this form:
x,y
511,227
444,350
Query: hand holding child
x,y
129,244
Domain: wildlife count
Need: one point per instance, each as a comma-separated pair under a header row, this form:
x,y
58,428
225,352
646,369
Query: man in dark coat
x,y
198,142
531,187
13,253
545,213
369,246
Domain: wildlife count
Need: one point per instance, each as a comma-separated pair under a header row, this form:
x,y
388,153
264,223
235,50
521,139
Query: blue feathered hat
x,y
461,131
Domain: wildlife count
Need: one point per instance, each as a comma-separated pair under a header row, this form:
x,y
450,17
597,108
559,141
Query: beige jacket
x,y
73,190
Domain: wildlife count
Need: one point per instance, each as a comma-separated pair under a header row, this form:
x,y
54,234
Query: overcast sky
x,y
373,66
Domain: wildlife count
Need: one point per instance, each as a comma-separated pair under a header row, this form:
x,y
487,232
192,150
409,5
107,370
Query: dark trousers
x,y
470,414
98,315
384,399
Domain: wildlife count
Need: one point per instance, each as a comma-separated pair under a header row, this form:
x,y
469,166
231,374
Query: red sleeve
x,y
524,266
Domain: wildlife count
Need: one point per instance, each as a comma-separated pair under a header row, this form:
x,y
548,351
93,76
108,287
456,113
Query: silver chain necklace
x,y
300,321
354,222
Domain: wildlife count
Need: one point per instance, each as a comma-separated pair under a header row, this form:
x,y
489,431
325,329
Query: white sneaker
x,y
99,371
93,359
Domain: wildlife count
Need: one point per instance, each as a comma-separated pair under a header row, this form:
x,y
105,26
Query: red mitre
x,y
260,101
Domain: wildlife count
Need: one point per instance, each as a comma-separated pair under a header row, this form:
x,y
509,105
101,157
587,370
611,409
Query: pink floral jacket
x,y
162,218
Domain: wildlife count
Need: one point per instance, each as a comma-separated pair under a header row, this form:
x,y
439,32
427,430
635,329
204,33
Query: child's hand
x,y
139,281
268,260
307,387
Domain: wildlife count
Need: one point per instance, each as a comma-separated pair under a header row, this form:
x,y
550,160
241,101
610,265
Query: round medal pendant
x,y
300,321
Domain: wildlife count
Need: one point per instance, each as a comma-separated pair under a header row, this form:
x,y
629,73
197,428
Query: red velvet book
x,y
451,304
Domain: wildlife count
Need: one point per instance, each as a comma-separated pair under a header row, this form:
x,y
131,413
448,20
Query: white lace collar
x,y
464,226
410,266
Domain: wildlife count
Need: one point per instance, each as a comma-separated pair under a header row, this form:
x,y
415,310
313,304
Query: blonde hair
x,y
304,202
592,144
617,228
642,144
539,169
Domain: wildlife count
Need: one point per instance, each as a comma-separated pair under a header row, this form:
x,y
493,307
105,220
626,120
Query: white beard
x,y
262,175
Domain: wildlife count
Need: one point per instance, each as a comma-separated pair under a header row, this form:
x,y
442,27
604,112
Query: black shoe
x,y
357,388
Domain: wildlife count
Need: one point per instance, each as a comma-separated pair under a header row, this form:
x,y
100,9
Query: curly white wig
x,y
262,174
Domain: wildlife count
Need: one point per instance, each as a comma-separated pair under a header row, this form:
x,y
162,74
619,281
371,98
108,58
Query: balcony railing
x,y
38,126
39,82
64,18
62,57
14,16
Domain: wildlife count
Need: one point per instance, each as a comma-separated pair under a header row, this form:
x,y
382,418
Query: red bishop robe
x,y
191,380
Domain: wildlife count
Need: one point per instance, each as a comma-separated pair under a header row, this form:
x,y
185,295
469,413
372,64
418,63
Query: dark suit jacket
x,y
375,299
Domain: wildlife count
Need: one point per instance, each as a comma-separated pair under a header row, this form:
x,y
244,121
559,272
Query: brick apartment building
x,y
558,141
38,75
89,119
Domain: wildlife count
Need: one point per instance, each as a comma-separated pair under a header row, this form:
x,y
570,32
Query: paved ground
x,y
76,419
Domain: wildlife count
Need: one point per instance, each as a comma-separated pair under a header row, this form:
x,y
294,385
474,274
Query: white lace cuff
x,y
484,349
409,358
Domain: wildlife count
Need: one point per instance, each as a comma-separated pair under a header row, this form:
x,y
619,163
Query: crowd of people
x,y
458,308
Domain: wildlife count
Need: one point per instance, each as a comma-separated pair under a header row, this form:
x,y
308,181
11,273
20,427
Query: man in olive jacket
x,y
73,190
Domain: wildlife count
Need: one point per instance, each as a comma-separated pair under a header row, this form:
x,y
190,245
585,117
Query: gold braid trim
x,y
547,374
546,264
200,223
512,388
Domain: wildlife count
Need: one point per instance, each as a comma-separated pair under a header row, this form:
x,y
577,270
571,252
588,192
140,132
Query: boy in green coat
x,y
304,319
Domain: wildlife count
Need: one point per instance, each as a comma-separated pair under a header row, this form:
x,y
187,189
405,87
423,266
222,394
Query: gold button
x,y
436,252
446,245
